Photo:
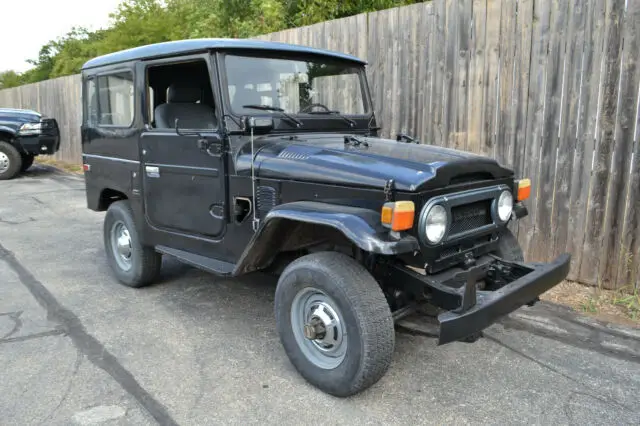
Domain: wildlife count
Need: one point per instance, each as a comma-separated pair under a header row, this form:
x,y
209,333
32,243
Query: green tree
x,y
140,22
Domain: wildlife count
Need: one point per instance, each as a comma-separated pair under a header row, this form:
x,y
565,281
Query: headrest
x,y
183,93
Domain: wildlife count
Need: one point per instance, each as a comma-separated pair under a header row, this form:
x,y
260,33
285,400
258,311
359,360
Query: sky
x,y
29,24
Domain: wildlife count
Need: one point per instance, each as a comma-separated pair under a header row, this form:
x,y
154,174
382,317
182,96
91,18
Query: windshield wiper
x,y
335,113
276,109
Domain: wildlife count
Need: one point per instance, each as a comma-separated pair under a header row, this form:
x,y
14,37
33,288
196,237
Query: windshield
x,y
296,87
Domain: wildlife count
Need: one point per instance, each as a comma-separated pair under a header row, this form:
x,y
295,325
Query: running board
x,y
208,264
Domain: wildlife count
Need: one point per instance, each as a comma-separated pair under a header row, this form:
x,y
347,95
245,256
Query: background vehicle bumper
x,y
42,144
491,305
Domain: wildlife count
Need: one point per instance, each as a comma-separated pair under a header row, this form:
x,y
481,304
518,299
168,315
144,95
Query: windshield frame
x,y
275,54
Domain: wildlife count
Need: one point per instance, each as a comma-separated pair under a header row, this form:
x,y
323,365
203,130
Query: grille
x,y
470,216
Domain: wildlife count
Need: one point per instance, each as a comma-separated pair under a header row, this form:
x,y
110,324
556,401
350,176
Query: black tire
x,y
144,262
509,248
27,161
14,159
363,308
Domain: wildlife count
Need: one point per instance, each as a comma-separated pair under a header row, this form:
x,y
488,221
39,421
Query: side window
x,y
181,91
91,103
116,100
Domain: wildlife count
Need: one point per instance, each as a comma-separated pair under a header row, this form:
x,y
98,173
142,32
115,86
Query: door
x,y
183,169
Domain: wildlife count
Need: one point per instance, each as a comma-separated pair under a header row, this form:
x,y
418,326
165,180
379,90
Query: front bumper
x,y
468,311
41,144
491,305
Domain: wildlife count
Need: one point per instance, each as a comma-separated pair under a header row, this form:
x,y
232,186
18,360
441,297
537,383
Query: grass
x,y
618,306
68,167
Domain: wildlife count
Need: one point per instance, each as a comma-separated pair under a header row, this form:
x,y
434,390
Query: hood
x,y
328,159
14,118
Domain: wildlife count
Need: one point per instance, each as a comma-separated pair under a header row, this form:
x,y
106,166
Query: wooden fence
x,y
548,87
58,98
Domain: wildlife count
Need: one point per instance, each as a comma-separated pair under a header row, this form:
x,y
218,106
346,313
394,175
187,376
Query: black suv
x,y
237,156
24,134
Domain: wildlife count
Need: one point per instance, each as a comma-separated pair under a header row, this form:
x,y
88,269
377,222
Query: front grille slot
x,y
468,217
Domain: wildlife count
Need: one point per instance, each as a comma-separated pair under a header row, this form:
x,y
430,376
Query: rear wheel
x,y
334,323
27,161
10,161
134,265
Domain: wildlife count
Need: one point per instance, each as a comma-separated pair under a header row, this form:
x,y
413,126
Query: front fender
x,y
359,225
8,130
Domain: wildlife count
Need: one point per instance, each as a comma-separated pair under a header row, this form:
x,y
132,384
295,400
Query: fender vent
x,y
267,199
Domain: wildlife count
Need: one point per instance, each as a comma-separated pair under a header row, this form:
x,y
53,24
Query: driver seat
x,y
181,104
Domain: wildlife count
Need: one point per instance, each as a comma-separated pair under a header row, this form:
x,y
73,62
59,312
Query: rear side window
x,y
91,102
115,99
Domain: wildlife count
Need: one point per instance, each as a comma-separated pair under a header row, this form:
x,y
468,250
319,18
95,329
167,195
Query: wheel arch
x,y
7,134
106,197
303,224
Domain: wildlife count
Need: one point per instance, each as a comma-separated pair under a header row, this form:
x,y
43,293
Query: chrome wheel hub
x,y
4,162
121,245
319,328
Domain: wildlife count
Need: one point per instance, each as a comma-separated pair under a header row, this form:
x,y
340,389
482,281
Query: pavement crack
x,y
17,323
592,342
88,345
65,395
48,333
13,222
556,371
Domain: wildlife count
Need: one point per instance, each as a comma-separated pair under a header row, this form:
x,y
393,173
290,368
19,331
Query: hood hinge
x,y
389,190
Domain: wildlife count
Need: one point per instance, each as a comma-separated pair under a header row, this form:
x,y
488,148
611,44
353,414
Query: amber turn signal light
x,y
398,215
524,189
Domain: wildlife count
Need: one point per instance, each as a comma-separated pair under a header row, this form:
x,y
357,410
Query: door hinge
x,y
210,147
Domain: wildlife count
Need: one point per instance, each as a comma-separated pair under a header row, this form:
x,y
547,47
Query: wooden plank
x,y
375,58
491,69
459,129
535,118
575,39
506,113
476,75
626,240
618,135
521,82
450,98
413,17
587,108
596,252
438,49
396,93
545,182
424,35
404,77
429,73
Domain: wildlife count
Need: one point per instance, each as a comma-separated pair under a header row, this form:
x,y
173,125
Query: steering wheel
x,y
311,106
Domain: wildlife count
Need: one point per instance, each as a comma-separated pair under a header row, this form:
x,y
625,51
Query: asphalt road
x,y
78,348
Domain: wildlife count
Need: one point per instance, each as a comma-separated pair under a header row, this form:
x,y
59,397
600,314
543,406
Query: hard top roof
x,y
194,45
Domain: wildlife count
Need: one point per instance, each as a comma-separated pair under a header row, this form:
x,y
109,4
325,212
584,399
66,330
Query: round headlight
x,y
435,224
505,205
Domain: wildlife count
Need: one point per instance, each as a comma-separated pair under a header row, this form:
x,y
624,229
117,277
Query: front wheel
x,y
134,265
10,161
334,323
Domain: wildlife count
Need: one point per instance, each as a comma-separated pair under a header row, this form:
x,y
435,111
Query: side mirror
x,y
258,124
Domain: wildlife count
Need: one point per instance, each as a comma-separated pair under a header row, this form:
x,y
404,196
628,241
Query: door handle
x,y
152,171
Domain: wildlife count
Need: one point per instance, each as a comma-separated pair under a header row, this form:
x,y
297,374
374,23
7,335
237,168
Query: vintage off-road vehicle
x,y
237,156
